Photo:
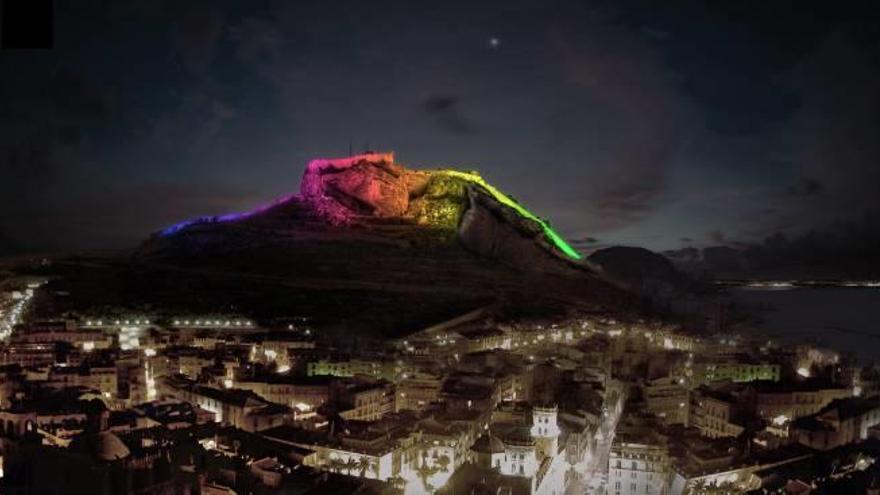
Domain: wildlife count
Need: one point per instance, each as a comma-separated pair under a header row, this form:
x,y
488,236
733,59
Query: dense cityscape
x,y
221,404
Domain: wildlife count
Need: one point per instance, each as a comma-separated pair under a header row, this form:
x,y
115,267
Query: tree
x,y
364,464
703,488
696,487
334,464
350,465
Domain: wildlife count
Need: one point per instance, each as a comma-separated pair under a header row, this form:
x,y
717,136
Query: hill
x,y
367,246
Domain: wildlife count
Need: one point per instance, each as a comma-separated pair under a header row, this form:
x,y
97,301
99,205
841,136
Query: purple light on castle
x,y
310,189
225,218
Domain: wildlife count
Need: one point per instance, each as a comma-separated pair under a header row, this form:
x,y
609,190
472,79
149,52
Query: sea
x,y
846,319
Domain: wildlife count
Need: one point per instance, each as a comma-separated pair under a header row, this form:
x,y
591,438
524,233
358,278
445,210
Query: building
x,y
719,412
84,339
719,465
417,391
668,398
279,347
738,369
545,430
675,339
484,339
239,408
520,453
368,401
374,453
101,378
57,415
842,422
525,459
11,379
639,462
303,393
795,400
95,461
347,368
28,355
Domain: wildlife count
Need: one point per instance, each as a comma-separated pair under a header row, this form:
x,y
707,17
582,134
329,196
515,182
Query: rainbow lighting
x,y
502,198
228,217
311,188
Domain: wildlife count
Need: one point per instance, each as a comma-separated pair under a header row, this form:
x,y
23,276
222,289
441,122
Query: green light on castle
x,y
557,240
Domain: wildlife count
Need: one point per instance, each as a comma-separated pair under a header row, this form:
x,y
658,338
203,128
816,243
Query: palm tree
x,y
350,465
364,465
696,487
726,488
334,464
703,488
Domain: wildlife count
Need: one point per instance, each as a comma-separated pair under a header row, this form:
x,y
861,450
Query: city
x,y
386,247
218,403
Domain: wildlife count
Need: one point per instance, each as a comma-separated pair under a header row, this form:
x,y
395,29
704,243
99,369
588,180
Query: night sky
x,y
661,124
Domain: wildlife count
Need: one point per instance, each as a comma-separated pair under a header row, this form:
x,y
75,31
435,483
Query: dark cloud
x,y
805,187
645,117
717,237
256,39
848,249
836,151
196,36
119,215
584,241
67,92
42,126
730,54
686,240
627,203
446,112
688,255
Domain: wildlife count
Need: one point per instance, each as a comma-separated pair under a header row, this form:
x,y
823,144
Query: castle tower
x,y
545,430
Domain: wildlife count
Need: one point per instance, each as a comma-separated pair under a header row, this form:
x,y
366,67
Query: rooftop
x,y
488,444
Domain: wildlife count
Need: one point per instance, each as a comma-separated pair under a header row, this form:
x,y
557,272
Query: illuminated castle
x,y
354,189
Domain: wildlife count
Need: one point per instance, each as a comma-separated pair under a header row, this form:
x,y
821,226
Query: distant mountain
x,y
367,245
640,270
847,250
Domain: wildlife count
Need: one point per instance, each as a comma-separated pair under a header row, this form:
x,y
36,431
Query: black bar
x,y
26,24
